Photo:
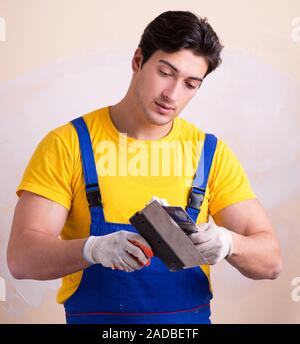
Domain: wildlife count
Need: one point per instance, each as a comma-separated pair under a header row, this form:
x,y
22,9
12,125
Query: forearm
x,y
36,255
256,256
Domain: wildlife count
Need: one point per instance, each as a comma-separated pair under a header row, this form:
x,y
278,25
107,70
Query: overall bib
x,y
152,294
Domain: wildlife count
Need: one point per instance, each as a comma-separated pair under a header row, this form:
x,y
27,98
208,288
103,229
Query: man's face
x,y
166,83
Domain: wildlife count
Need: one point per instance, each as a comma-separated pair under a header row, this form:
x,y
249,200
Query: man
x,y
88,177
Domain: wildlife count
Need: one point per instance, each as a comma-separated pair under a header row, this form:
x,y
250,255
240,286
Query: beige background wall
x,y
63,58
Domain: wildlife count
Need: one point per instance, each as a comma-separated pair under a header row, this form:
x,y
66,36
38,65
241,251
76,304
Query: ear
x,y
137,60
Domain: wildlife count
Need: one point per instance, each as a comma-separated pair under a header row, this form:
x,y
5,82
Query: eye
x,y
190,86
164,74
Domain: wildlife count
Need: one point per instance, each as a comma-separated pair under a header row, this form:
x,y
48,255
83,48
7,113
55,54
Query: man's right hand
x,y
121,250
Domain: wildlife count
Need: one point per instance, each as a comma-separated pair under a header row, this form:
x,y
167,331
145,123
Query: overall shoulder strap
x,y
89,167
201,177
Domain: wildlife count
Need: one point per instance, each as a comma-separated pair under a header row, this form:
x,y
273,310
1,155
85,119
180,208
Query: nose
x,y
170,94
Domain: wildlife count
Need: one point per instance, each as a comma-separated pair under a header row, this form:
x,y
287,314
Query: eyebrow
x,y
176,70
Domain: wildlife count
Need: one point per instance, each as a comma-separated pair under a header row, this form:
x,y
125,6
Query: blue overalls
x,y
152,294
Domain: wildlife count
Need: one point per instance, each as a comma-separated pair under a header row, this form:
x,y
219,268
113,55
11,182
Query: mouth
x,y
162,108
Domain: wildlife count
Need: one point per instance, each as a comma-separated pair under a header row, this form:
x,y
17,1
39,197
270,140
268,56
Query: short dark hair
x,y
172,31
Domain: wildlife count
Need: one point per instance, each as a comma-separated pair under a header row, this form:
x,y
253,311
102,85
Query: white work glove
x,y
213,242
121,250
161,201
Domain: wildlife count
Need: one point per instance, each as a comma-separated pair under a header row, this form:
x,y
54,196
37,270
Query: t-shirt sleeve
x,y
49,171
228,182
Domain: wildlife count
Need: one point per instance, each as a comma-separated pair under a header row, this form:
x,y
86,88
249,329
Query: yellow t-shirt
x,y
130,172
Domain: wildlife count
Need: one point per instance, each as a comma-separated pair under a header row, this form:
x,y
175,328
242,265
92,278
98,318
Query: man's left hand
x,y
213,242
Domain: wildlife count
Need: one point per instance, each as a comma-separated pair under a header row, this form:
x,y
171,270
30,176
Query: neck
x,y
127,118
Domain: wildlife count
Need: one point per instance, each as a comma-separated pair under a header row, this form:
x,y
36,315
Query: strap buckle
x,y
196,198
93,195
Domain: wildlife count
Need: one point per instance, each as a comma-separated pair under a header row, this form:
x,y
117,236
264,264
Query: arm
x,y
34,249
36,252
256,253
